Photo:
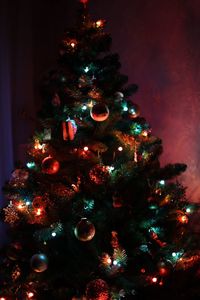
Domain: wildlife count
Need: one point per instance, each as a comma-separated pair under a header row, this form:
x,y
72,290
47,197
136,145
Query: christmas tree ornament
x,y
165,267
84,230
16,272
95,94
39,262
11,214
47,134
14,251
84,81
39,202
19,178
56,100
50,165
133,110
99,174
119,96
69,130
117,200
99,112
97,290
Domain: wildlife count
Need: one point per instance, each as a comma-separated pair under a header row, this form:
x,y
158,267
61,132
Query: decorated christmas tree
x,y
93,215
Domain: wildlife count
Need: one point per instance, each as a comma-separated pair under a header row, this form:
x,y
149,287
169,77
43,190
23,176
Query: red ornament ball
x,y
39,202
97,290
50,165
99,112
84,230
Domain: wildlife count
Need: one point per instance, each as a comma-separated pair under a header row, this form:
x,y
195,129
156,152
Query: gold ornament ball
x,y
97,290
84,230
39,262
99,112
50,165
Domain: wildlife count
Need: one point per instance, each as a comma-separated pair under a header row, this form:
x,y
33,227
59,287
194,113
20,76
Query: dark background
x,y
159,45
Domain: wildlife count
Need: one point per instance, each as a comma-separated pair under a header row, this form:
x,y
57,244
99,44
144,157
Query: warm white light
x,y
85,148
53,234
109,260
30,295
73,45
154,279
120,149
114,262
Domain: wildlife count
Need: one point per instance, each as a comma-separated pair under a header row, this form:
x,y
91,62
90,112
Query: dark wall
x,y
159,45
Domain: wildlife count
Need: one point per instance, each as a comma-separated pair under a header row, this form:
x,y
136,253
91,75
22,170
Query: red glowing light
x,y
183,219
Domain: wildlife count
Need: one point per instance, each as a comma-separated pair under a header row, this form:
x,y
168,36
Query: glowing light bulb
x,y
73,45
85,148
38,212
114,262
120,149
109,260
99,23
30,165
2,298
86,70
162,182
30,295
183,219
84,107
154,279
125,108
53,234
174,254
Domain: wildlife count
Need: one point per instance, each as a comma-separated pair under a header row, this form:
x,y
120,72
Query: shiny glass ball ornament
x,y
39,262
133,110
50,165
119,96
99,112
97,290
84,230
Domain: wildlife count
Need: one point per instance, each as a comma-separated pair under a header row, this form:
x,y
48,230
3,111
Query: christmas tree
x,y
93,215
